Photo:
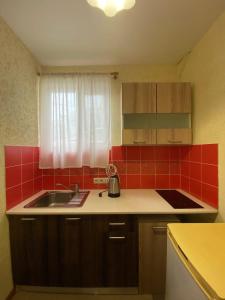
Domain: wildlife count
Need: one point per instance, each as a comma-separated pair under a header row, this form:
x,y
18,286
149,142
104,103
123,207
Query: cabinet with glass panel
x,y
156,113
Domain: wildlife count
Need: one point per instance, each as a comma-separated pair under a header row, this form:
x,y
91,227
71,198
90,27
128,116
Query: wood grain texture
x,y
138,97
174,97
139,136
174,136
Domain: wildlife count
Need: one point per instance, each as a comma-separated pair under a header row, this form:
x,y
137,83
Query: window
x,y
74,121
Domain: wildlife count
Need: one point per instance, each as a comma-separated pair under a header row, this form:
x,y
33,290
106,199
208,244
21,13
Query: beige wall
x,y
205,67
18,123
135,73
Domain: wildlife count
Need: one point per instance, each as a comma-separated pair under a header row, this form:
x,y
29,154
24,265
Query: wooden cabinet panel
x,y
74,251
174,136
139,136
139,97
28,247
174,97
120,260
70,250
152,254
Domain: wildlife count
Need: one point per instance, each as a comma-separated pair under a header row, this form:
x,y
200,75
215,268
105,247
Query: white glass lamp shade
x,y
111,7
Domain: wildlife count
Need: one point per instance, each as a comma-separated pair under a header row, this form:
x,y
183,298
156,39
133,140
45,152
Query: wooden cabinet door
x,y
28,236
138,98
71,250
139,136
174,97
121,252
174,136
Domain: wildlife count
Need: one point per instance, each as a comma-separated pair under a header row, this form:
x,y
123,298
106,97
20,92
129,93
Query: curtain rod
x,y
113,74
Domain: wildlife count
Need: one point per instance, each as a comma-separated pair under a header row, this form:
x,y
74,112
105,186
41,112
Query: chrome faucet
x,y
73,188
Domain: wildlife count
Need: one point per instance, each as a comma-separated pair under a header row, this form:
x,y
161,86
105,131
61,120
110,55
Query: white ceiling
x,y
71,32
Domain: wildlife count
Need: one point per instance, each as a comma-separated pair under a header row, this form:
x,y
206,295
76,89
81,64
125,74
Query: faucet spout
x,y
73,188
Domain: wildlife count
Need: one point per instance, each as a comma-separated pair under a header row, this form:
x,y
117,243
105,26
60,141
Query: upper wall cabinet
x,y
156,113
139,97
174,97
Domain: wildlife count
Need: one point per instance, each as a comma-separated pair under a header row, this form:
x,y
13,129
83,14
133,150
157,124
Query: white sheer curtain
x,y
74,120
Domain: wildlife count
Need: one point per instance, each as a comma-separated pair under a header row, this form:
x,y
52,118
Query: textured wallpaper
x,y
205,68
18,122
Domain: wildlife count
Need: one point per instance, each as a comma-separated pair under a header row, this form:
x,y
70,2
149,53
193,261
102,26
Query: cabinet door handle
x,y
139,142
117,224
117,237
159,228
27,219
72,219
174,142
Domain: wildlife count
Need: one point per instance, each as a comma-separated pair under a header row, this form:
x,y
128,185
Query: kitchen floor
x,y
44,296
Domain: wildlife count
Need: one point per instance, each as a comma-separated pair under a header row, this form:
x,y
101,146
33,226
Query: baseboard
x,y
11,294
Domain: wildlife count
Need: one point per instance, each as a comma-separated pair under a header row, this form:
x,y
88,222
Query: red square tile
x,y
195,188
12,156
148,167
88,182
77,179
59,172
48,182
210,195
121,167
210,154
147,181
62,179
174,167
123,181
13,176
195,154
37,171
162,181
162,167
133,167
48,172
162,153
185,183
147,152
101,171
185,168
37,184
195,171
27,172
210,174
185,153
118,153
36,154
27,155
13,196
174,153
175,182
76,171
133,153
27,189
133,181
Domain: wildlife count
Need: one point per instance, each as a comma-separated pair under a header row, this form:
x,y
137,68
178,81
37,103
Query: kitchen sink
x,y
59,199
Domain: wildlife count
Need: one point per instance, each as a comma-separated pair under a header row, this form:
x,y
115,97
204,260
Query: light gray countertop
x,y
131,201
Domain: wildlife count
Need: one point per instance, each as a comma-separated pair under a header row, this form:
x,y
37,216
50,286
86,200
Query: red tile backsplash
x,y
191,168
199,172
23,177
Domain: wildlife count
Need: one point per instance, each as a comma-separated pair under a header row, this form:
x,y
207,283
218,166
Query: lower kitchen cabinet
x,y
152,254
28,250
74,251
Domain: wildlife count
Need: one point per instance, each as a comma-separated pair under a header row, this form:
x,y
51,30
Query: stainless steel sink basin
x,y
59,199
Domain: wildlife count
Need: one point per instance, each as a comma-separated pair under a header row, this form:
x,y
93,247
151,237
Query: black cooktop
x,y
177,200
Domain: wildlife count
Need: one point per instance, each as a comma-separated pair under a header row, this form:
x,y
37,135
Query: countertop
x,y
131,201
204,248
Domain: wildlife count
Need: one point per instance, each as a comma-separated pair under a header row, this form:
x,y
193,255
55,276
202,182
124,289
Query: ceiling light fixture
x,y
112,7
